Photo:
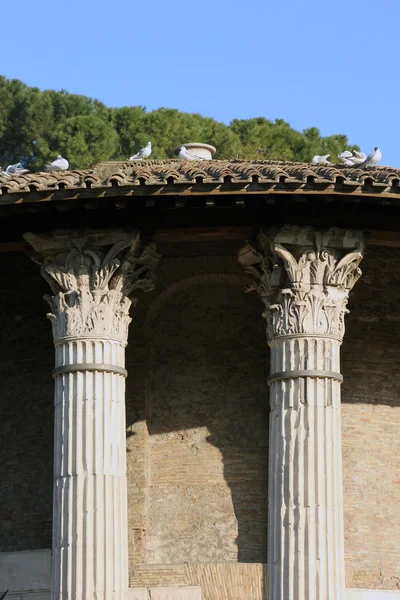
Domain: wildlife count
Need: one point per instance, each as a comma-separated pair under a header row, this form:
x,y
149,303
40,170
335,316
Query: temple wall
x,y
371,422
27,575
26,409
197,361
208,425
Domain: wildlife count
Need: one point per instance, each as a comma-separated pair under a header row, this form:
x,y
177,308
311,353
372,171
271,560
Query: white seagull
x,y
358,158
143,153
374,157
60,164
321,160
351,159
185,154
359,155
346,154
14,170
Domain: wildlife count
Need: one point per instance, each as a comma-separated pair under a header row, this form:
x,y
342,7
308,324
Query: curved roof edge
x,y
209,177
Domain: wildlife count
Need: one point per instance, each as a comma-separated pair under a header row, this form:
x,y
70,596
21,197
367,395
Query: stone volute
x,y
304,278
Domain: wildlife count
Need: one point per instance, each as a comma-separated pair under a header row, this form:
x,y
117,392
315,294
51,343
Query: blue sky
x,y
332,65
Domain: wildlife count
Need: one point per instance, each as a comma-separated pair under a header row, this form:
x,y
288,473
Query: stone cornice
x,y
304,277
92,274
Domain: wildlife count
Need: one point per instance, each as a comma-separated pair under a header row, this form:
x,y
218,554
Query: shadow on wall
x,y
371,350
208,424
26,411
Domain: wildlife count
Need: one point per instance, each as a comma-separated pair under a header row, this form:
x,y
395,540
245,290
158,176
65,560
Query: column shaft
x,y
305,535
90,531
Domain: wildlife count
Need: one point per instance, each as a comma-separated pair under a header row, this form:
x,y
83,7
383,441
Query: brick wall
x,y
197,361
208,426
26,409
371,423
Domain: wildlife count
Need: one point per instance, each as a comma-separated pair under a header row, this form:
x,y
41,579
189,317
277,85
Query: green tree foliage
x,y
36,126
87,138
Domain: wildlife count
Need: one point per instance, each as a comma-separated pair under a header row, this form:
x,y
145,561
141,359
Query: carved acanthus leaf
x,y
305,288
91,277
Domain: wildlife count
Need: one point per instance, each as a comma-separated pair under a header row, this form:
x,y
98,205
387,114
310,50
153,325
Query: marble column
x,y
304,277
92,275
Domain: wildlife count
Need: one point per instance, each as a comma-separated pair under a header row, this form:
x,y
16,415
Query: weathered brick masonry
x,y
371,421
197,362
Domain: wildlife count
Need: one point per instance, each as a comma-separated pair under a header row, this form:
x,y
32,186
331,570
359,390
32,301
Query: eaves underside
x,y
157,196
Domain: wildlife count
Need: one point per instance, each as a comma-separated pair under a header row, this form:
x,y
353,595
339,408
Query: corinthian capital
x,y
304,277
92,275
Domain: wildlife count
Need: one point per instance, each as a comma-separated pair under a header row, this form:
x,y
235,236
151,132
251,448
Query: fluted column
x,y
91,276
304,278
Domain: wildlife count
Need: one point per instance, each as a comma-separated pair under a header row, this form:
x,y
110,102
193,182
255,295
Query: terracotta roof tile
x,y
224,176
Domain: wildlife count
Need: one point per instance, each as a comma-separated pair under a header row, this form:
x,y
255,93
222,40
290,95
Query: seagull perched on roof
x,y
185,154
321,160
351,159
14,170
143,153
60,164
374,157
345,154
359,155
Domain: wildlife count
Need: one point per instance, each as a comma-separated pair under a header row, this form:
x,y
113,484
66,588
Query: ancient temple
x,y
222,347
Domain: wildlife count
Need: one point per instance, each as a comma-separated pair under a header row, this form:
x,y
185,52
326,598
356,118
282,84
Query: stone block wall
x,y
197,430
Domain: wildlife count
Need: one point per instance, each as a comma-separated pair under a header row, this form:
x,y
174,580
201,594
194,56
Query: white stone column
x,y
91,276
304,278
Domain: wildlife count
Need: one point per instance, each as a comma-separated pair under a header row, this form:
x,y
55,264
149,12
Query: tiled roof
x,y
206,177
